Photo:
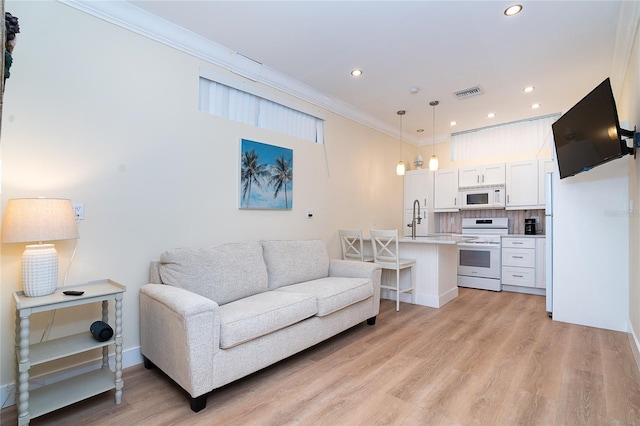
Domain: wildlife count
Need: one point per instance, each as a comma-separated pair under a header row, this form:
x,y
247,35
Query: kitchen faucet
x,y
415,220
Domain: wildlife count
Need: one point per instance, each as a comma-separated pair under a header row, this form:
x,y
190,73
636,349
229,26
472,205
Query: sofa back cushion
x,y
221,273
292,262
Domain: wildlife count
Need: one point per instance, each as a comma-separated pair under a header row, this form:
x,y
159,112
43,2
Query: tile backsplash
x,y
452,222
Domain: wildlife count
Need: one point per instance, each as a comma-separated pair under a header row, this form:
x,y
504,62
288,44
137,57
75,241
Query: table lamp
x,y
38,220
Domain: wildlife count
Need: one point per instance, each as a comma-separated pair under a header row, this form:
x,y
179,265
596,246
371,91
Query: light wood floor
x,y
485,359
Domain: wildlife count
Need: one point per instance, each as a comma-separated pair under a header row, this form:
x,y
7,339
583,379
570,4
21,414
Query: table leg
x,y
118,331
22,373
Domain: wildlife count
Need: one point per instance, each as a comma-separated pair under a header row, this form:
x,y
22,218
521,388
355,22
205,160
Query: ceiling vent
x,y
468,93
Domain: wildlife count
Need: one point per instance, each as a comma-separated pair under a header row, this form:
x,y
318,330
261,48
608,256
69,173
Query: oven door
x,y
477,260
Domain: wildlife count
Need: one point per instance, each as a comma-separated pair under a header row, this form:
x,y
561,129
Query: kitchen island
x,y
436,270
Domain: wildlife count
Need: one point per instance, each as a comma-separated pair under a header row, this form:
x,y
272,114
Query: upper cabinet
x,y
522,185
481,175
446,191
417,186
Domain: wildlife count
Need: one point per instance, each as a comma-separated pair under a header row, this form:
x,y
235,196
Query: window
x,y
225,101
509,139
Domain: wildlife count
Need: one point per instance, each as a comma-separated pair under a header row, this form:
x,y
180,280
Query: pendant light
x,y
400,167
433,163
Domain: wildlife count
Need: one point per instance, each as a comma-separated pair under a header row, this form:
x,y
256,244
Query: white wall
x,y
591,247
95,113
629,110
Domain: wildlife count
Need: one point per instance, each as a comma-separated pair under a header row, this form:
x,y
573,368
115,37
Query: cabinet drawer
x,y
529,243
519,257
518,276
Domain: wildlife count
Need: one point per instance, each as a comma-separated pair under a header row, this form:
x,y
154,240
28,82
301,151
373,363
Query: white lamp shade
x,y
38,219
400,169
433,163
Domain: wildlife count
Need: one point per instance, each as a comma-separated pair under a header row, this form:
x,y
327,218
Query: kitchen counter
x,y
437,239
436,268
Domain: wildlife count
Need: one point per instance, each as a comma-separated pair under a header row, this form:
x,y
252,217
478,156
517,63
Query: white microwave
x,y
483,198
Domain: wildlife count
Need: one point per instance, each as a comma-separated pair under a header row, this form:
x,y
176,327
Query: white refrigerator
x,y
548,213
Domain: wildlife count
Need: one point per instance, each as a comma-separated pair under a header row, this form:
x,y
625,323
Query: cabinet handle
x,y
477,178
517,242
482,178
517,276
517,257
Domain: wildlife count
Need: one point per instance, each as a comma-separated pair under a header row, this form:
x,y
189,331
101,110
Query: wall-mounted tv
x,y
589,133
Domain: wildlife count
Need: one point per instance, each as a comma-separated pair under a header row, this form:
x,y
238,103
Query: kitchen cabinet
x,y
418,185
493,174
523,264
36,402
446,191
541,272
519,261
522,185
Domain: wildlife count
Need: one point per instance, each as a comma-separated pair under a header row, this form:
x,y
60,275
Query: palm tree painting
x,y
266,176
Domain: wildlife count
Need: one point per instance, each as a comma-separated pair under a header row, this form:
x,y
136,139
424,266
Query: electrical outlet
x,y
78,211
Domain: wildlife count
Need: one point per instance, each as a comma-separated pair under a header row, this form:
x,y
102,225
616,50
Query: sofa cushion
x,y
292,262
333,293
221,273
264,313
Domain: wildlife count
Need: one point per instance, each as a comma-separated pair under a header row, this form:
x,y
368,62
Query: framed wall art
x,y
266,176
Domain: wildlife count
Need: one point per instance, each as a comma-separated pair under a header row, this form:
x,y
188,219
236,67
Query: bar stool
x,y
352,247
385,254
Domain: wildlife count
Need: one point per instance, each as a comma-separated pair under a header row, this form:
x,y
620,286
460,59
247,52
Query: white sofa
x,y
212,315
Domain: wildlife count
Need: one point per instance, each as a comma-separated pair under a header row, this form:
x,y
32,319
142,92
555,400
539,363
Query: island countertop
x,y
437,239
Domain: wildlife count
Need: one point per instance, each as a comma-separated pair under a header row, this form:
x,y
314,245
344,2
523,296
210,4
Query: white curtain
x,y
228,102
525,136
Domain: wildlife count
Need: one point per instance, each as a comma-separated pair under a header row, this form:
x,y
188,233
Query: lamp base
x,y
39,270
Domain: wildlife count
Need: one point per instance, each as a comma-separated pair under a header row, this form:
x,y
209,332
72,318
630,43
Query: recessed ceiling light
x,y
491,114
535,106
453,123
513,10
356,73
528,89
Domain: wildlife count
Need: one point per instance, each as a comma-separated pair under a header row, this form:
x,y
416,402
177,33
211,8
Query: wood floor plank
x,y
485,358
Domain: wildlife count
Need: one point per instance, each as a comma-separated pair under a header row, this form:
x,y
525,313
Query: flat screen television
x,y
589,133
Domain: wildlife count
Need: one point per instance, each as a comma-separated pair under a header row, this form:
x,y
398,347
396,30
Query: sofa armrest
x,y
180,334
354,269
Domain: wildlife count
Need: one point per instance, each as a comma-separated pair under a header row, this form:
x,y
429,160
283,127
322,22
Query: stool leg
x,y
398,290
413,284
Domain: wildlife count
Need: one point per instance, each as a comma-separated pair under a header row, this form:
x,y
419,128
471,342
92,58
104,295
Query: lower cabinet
x,y
523,263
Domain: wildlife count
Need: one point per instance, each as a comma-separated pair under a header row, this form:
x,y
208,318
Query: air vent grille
x,y
468,93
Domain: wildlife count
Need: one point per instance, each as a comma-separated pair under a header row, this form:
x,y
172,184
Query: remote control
x,y
73,293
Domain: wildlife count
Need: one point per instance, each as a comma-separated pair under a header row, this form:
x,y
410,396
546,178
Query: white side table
x,y
48,398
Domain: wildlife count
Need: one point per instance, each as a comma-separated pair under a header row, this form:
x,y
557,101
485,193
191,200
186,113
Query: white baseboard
x,y
423,299
634,342
130,357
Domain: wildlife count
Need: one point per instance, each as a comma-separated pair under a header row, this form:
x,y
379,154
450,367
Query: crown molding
x,y
139,21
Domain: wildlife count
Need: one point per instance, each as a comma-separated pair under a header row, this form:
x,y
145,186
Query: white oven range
x,y
479,259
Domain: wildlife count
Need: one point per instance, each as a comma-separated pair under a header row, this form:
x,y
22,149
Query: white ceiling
x,y
563,48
